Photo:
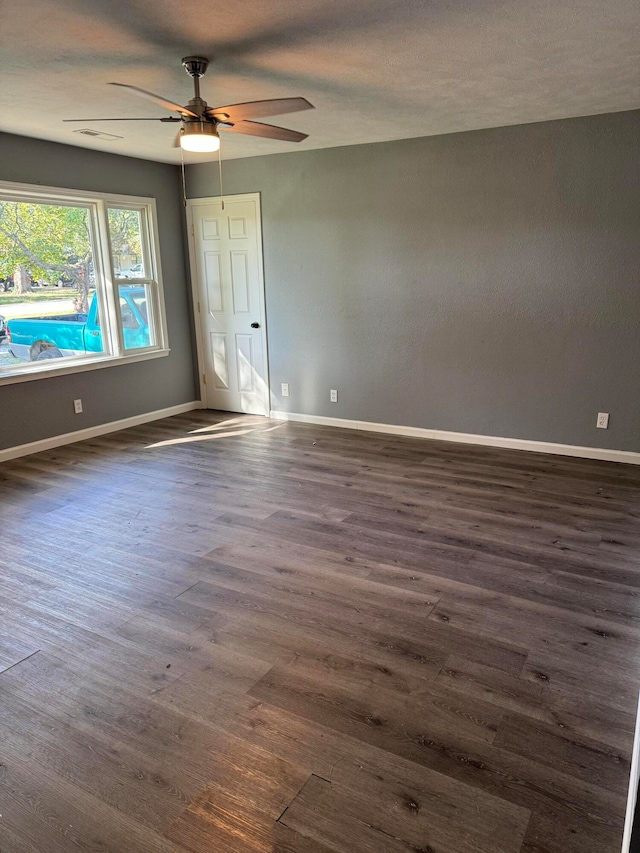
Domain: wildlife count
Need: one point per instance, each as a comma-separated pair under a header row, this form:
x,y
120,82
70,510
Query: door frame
x,y
192,205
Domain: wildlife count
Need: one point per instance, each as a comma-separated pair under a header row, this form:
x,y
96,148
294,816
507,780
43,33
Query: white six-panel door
x,y
226,261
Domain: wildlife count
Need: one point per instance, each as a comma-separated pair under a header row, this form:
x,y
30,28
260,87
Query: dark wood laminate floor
x,y
230,635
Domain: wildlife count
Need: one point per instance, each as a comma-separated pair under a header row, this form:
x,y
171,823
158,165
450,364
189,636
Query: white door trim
x,y
192,204
634,779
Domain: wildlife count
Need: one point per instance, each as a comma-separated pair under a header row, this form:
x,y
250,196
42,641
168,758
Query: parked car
x,y
74,334
6,284
136,271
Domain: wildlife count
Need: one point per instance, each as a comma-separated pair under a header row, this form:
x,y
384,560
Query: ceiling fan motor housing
x,y
197,105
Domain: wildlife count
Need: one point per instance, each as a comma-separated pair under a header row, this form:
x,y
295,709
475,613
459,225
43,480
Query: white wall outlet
x,y
603,420
77,407
333,396
285,389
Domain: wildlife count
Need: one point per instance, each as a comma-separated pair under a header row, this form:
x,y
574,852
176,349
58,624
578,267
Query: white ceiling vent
x,y
86,131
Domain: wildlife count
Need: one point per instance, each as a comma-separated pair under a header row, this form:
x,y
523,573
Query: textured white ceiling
x,y
375,69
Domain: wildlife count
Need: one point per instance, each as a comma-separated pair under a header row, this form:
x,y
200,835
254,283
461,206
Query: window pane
x,y
125,228
136,313
48,300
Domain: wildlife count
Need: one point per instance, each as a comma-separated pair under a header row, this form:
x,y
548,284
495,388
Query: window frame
x,y
107,284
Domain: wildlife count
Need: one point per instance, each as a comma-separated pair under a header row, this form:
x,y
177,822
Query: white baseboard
x,y
92,432
627,456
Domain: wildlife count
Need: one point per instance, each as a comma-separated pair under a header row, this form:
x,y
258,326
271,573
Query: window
x,y
80,284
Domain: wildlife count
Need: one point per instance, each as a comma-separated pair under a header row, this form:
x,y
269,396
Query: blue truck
x,y
75,334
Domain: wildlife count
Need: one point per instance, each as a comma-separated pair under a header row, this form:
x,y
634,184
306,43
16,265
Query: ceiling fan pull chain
x,y
220,173
184,183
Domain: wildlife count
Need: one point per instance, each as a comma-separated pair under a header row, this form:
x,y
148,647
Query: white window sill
x,y
80,365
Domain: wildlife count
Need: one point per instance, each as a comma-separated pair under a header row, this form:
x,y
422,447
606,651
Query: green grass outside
x,y
44,294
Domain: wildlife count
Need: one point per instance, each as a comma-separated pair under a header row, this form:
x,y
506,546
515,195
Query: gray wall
x,y
43,408
484,282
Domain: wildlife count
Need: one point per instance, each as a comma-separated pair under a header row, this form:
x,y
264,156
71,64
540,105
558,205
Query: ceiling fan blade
x,y
167,118
157,99
259,109
269,131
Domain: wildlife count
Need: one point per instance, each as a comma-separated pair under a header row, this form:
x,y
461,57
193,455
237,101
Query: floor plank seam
x,y
187,589
18,662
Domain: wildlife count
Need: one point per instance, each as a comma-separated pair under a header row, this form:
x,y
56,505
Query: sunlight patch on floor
x,y
240,426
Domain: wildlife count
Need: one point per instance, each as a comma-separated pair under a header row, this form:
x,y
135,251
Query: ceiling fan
x,y
200,122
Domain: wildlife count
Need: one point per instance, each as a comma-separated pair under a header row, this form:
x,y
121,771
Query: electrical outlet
x,y
77,407
603,420
285,389
333,396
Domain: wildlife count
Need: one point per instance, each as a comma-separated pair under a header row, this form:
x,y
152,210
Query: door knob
x,y
255,325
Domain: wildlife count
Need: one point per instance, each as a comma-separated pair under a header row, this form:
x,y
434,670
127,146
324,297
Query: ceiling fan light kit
x,y
200,137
